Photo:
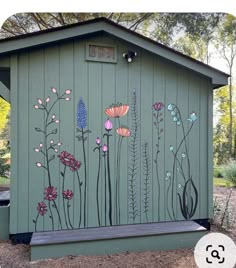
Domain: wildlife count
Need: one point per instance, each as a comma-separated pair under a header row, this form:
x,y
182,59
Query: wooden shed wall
x,y
154,79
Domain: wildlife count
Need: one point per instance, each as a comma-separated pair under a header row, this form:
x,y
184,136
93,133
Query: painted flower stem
x,y
156,163
85,177
109,178
80,197
68,213
35,222
63,189
59,217
105,186
98,179
117,197
51,215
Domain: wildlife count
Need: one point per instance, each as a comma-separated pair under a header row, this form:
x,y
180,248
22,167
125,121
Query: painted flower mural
x,y
117,110
47,149
188,199
117,147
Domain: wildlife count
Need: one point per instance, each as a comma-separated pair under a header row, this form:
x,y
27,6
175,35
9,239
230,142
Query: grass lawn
x,y
4,181
222,182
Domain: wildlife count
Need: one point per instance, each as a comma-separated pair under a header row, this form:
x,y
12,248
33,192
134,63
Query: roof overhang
x,y
10,45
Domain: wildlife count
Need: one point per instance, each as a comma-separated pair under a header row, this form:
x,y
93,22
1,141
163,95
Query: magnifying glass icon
x,y
215,254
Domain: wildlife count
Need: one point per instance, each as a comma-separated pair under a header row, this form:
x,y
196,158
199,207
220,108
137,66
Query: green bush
x,y
230,172
218,172
4,165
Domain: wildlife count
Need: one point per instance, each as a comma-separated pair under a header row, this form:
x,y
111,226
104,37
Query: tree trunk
x,y
230,115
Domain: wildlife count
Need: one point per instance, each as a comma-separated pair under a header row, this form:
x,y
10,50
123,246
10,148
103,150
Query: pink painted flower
x,y
75,165
66,158
158,106
108,124
50,193
42,208
54,90
38,164
68,194
68,91
40,101
36,106
104,148
47,99
98,140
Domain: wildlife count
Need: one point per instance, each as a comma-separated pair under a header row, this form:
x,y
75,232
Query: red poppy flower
x,y
117,110
123,131
50,193
42,208
66,158
68,194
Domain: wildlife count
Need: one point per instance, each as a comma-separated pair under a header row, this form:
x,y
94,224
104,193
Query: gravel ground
x,y
17,256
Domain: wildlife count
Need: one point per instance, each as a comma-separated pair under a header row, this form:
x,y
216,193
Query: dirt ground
x,y
18,255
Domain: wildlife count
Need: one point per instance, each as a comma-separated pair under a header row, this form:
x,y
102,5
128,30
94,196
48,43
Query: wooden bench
x,y
114,239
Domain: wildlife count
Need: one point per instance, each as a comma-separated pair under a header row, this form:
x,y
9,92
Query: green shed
x,y
111,140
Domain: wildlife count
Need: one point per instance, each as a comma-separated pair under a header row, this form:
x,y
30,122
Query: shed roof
x,y
20,42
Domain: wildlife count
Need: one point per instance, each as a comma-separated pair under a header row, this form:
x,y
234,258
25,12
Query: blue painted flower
x,y
81,114
193,117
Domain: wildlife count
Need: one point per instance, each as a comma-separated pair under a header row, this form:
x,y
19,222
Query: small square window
x,y
101,52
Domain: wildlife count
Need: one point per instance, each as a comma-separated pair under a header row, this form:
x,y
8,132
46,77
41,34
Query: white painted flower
x,y
56,150
51,141
53,116
40,101
54,90
47,99
67,99
172,113
36,150
168,174
59,144
171,148
36,106
38,164
68,91
41,145
57,121
179,185
183,155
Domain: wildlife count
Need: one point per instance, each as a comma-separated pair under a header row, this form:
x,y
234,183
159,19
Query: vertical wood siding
x,y
154,79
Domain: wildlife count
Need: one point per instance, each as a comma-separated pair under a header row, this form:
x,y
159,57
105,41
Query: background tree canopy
x,y
199,35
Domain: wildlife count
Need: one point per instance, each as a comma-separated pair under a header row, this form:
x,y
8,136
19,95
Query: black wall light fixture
x,y
129,56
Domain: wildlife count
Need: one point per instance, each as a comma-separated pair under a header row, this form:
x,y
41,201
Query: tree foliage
x,y
4,111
